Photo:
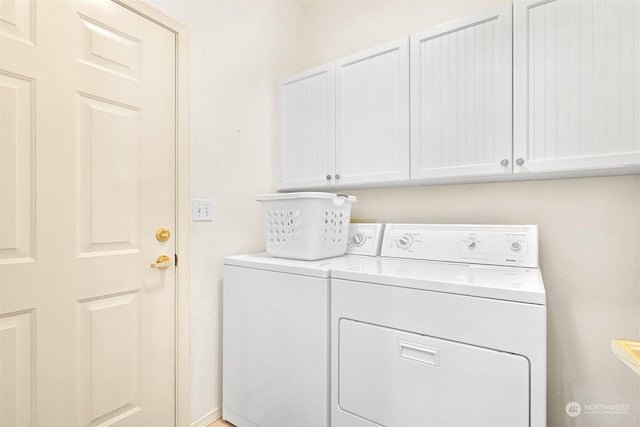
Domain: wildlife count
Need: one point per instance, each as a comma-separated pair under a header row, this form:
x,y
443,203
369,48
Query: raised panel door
x,y
87,176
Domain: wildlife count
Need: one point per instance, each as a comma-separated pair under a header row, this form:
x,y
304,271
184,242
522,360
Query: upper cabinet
x,y
577,85
533,89
354,130
306,114
372,115
461,98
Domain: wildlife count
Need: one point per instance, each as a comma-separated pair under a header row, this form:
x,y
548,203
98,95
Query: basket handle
x,y
340,198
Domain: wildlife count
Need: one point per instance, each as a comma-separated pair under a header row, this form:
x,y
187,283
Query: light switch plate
x,y
201,210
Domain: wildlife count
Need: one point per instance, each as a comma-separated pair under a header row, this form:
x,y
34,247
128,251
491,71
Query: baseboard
x,y
207,419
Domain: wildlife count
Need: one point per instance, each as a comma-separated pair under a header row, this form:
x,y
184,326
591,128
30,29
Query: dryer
x,y
446,328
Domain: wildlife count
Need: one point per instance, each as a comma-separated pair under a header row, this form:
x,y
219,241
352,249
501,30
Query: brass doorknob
x,y
163,234
162,262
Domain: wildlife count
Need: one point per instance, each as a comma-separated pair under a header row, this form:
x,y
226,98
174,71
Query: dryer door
x,y
396,378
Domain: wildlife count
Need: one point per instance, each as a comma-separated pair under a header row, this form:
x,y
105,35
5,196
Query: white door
x,y
372,115
87,176
306,115
461,97
576,85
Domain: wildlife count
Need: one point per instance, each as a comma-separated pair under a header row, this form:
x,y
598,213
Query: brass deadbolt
x,y
163,234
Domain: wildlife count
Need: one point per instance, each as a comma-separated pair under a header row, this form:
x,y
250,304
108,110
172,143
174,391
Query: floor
x,y
220,423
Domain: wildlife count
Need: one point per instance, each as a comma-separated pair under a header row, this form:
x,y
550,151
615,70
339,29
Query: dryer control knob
x,y
471,244
357,239
515,246
405,241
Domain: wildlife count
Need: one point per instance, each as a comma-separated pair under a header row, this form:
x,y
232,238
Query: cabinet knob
x,y
520,161
328,177
337,176
504,162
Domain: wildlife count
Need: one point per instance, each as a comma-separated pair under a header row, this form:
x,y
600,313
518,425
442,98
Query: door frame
x,y
183,204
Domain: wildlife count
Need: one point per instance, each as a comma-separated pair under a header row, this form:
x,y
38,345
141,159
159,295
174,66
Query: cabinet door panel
x,y
306,128
577,84
461,97
372,115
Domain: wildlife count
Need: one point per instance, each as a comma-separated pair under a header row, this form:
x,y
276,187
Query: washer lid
x,y
264,261
495,282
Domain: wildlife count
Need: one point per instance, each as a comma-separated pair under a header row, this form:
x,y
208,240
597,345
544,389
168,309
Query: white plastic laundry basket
x,y
306,226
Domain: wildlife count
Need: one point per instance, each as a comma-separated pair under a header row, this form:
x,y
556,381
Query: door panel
x,y
108,160
109,358
90,172
16,168
16,369
17,20
109,50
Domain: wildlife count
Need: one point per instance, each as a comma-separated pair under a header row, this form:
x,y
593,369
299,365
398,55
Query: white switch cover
x,y
201,210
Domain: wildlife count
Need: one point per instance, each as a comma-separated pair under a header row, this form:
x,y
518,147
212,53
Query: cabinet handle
x,y
520,161
328,177
337,176
504,162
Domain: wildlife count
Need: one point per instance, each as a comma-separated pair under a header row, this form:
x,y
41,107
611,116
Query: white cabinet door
x,y
576,85
372,115
307,129
461,98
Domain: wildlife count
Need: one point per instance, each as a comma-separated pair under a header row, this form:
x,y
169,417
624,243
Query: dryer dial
x,y
405,241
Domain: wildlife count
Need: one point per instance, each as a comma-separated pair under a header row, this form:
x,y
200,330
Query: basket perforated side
x,y
306,228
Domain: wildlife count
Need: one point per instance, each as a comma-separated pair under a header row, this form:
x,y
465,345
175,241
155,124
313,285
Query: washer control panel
x,y
515,245
365,239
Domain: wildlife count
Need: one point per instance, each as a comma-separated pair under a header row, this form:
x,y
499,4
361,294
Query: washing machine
x,y
275,367
446,328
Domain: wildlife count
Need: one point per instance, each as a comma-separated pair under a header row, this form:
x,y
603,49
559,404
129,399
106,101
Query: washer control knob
x,y
405,241
357,239
471,244
515,246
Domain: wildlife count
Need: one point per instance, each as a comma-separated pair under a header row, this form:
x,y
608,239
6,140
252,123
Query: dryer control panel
x,y
515,245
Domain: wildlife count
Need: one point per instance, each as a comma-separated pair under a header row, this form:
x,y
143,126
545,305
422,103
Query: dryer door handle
x,y
419,352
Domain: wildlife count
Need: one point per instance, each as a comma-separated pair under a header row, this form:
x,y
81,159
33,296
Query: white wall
x,y
589,228
238,50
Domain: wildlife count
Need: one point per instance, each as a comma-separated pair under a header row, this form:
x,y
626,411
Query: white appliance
x,y
275,370
446,328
